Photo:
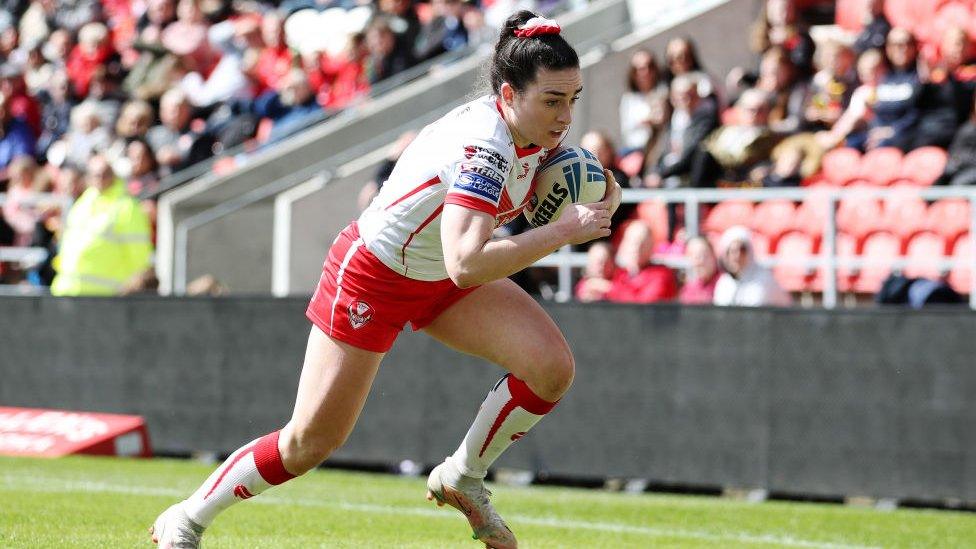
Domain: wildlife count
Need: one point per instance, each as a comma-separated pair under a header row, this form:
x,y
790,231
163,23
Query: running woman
x,y
424,253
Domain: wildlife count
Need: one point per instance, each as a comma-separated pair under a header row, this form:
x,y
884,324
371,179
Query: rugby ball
x,y
570,175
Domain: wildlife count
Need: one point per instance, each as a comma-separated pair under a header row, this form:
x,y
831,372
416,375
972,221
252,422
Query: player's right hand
x,y
586,222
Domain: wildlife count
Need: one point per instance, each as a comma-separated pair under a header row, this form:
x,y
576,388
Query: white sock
x,y
250,470
508,412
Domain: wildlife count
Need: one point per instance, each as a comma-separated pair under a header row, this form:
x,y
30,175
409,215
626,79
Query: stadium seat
x,y
631,163
773,217
859,213
654,214
924,166
841,166
849,15
905,213
846,248
727,214
811,215
762,245
948,217
951,14
901,13
794,246
960,277
815,180
881,166
923,254
878,251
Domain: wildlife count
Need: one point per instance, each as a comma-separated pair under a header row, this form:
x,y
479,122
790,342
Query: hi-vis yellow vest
x,y
106,242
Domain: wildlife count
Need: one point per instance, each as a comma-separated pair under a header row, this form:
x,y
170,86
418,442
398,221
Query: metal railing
x,y
28,257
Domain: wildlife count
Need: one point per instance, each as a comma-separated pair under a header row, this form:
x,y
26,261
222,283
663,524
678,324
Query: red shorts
x,y
362,302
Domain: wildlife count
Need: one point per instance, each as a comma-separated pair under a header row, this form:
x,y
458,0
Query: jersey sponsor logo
x,y
242,492
482,170
360,313
490,157
485,187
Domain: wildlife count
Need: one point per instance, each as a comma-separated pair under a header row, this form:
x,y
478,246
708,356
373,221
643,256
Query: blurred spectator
x,y
68,184
957,58
444,32
597,276
961,166
401,18
682,58
876,27
731,152
385,58
57,102
871,69
745,282
228,80
779,26
275,59
345,75
86,135
692,120
702,273
777,77
140,168
600,144
16,138
636,117
831,88
896,111
291,108
94,50
637,280
175,141
187,38
134,121
20,103
19,211
44,16
946,99
153,67
480,34
106,242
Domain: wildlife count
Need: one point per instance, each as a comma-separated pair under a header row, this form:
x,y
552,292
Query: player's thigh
x,y
501,323
335,381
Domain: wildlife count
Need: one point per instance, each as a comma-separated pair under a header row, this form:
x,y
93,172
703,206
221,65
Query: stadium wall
x,y
811,402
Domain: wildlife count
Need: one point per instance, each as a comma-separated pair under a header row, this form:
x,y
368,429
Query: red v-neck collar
x,y
520,152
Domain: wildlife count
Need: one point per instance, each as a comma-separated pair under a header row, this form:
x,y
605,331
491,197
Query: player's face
x,y
542,113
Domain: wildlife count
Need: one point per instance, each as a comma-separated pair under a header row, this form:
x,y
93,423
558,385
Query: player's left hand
x,y
613,191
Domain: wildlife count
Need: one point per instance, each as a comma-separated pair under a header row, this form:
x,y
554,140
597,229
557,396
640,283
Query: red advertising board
x,y
53,433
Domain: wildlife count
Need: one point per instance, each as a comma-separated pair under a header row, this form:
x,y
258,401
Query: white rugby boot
x,y
470,496
174,530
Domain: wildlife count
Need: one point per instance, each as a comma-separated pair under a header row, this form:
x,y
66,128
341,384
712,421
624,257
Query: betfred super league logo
x,y
360,313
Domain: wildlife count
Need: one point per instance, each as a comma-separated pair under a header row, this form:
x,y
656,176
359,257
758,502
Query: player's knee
x,y
305,450
555,373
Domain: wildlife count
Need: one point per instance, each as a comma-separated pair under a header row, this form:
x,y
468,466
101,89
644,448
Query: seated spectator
x,y
597,275
481,35
57,102
871,69
779,26
86,135
682,58
345,75
94,50
275,58
638,280
636,118
444,32
135,119
600,144
961,166
385,58
745,283
787,94
732,152
176,143
692,120
957,59
896,111
945,100
702,273
228,80
150,72
876,27
401,18
831,88
291,108
187,38
106,242
16,138
18,210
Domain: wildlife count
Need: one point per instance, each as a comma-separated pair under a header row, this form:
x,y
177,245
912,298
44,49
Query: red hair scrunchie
x,y
538,26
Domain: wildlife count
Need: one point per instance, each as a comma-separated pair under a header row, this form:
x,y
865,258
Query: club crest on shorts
x,y
360,313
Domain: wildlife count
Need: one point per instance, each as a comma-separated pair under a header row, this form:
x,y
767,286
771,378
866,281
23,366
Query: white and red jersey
x,y
467,157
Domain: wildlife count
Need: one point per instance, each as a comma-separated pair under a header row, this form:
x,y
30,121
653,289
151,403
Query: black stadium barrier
x,y
875,403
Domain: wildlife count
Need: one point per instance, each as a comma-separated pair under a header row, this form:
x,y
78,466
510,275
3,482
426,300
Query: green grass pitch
x,y
107,503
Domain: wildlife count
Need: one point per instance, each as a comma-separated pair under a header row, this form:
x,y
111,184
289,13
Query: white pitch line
x,y
57,485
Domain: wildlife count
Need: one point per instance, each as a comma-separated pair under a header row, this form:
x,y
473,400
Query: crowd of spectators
x,y
156,86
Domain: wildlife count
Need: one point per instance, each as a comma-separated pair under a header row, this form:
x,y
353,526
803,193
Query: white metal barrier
x,y
28,257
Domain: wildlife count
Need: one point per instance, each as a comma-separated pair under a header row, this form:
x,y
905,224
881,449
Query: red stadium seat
x,y
762,245
878,251
727,214
811,215
631,164
905,213
859,213
924,252
960,277
773,217
849,14
952,14
846,248
949,217
901,13
815,180
796,246
923,166
841,166
881,166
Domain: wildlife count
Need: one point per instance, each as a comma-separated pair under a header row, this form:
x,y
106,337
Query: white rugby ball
x,y
570,175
